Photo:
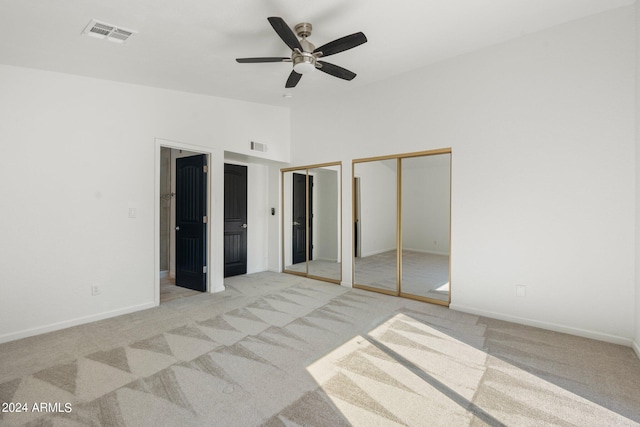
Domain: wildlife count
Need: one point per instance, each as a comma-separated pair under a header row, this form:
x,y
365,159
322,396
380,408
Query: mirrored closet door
x,y
402,215
311,221
375,223
426,212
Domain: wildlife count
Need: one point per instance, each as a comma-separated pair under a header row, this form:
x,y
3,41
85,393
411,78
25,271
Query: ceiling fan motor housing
x,y
303,29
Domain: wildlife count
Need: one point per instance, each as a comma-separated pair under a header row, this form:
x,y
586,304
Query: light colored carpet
x,y
283,350
318,268
169,291
423,274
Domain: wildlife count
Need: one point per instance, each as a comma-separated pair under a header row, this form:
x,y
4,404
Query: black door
x,y
235,220
191,227
299,237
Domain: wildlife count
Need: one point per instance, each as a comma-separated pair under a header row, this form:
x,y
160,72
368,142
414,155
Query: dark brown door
x,y
191,227
235,220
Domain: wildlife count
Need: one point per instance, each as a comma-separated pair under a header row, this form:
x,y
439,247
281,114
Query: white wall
x,y
426,204
325,213
67,189
257,215
275,223
542,136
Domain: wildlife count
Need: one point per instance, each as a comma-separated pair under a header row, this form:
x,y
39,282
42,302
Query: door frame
x,y
213,250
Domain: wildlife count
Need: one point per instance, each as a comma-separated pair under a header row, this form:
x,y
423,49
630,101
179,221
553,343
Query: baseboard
x,y
326,260
636,348
423,251
74,322
381,251
164,273
614,339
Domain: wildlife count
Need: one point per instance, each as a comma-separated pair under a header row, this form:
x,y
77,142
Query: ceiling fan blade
x,y
284,31
342,44
336,71
293,79
265,59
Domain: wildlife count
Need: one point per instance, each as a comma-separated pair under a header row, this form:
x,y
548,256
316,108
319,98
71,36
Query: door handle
x,y
178,228
296,223
243,226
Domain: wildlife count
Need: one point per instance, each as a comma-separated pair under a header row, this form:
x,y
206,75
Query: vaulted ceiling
x,y
191,45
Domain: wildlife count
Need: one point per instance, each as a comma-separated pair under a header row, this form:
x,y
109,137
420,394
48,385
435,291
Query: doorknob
x,y
243,226
178,228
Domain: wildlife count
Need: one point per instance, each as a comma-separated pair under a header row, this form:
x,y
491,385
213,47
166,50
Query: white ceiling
x,y
191,45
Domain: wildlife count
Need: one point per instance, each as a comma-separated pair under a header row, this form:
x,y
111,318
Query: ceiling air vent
x,y
258,146
110,32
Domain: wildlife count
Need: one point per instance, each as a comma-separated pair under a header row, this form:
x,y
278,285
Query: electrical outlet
x,y
95,290
521,291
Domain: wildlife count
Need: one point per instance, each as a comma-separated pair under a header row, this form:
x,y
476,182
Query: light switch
x,y
132,212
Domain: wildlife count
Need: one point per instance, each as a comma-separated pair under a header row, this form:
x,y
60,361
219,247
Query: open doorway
x,y
183,220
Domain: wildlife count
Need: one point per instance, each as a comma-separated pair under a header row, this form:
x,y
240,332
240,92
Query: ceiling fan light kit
x,y
304,55
304,64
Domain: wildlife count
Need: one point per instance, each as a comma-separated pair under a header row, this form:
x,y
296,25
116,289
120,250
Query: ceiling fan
x,y
304,55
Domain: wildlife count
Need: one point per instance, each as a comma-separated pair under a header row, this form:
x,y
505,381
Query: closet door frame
x,y
398,158
306,169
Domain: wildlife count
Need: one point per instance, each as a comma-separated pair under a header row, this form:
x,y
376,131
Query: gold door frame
x,y
282,192
398,157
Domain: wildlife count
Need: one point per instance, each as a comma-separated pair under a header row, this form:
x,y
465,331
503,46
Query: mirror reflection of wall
x,y
324,230
424,224
165,209
311,221
375,226
426,211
